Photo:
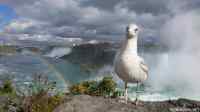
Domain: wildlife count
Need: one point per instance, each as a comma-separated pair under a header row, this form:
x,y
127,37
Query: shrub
x,y
10,101
7,87
42,102
41,97
41,84
85,87
117,93
105,87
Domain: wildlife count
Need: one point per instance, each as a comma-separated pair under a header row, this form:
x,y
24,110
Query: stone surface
x,y
85,103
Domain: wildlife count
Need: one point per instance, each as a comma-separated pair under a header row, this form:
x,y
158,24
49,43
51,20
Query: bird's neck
x,y
131,45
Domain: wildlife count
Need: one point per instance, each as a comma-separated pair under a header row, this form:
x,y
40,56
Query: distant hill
x,y
92,55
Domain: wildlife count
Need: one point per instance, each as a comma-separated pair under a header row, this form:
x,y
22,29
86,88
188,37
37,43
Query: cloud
x,y
25,26
18,26
103,17
101,4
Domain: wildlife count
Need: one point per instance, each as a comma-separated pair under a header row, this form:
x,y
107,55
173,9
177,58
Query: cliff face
x,y
101,53
92,56
84,103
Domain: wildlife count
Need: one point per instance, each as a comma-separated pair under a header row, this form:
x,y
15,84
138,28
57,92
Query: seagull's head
x,y
132,30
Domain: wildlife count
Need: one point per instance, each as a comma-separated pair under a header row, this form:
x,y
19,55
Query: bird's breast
x,y
130,62
128,68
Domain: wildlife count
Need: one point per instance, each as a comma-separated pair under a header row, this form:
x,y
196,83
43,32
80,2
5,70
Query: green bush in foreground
x,y
7,88
86,87
41,97
10,101
105,87
42,102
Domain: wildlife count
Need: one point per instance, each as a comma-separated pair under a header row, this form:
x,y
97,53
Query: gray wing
x,y
143,66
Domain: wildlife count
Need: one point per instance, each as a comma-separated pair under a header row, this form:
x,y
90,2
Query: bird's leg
x,y
126,92
136,99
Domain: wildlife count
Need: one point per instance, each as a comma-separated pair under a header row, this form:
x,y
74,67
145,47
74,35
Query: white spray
x,y
180,68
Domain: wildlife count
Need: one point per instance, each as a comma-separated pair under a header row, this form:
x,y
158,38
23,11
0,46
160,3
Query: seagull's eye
x,y
136,30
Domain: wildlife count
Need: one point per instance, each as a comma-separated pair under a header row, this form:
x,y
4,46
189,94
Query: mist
x,y
179,68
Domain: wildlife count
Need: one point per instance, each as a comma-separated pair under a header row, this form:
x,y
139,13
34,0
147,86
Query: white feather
x,y
128,65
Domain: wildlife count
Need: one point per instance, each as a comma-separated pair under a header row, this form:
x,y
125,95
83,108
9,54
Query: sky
x,y
6,15
90,18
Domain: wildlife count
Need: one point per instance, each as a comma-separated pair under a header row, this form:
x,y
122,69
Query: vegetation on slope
x,y
105,87
43,95
5,49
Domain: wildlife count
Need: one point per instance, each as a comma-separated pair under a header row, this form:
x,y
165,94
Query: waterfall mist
x,y
179,69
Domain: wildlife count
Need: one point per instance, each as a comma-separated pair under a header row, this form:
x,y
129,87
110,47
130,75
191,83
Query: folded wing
x,y
143,66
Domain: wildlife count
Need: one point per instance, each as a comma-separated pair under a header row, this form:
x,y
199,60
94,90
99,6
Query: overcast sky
x,y
93,17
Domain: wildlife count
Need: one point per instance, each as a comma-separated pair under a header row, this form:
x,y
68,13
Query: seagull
x,y
127,64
